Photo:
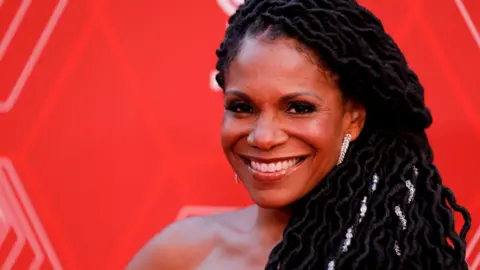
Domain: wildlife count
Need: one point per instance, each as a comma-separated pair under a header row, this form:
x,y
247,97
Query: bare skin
x,y
238,240
282,131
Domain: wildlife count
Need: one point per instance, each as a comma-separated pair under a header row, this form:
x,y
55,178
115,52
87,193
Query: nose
x,y
266,134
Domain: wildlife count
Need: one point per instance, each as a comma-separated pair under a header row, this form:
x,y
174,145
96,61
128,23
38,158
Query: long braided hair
x,y
385,206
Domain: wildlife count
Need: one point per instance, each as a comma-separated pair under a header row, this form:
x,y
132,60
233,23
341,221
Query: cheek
x,y
322,132
226,133
232,130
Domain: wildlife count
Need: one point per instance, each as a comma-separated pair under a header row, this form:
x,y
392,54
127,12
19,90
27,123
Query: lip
x,y
272,177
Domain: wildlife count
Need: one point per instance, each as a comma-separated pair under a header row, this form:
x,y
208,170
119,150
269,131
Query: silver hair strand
x,y
398,211
350,231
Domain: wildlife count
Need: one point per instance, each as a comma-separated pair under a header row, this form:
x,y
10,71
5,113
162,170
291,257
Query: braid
x,y
385,206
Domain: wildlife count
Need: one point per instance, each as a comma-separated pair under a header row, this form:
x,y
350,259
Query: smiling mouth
x,y
273,167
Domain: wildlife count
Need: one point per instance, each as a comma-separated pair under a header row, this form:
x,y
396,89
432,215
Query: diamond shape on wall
x,y
20,224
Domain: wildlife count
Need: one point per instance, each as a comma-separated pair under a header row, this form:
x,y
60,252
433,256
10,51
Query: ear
x,y
354,118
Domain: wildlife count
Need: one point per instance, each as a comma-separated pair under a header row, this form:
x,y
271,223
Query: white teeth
x,y
271,167
263,167
278,166
274,166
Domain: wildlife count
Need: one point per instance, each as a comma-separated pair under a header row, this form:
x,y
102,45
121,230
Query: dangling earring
x,y
343,151
236,178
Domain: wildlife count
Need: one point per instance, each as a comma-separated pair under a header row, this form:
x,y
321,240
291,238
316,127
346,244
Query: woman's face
x,y
284,120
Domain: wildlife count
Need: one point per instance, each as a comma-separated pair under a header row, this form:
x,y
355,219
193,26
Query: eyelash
x,y
295,107
307,107
239,106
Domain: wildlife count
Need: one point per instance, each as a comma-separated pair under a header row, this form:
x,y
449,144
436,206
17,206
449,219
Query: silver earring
x,y
343,150
236,178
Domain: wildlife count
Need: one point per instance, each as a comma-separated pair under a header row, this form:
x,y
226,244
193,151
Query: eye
x,y
239,106
300,107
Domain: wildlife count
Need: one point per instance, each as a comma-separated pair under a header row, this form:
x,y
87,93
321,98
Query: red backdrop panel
x,y
110,124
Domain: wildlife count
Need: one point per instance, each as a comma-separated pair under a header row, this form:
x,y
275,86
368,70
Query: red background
x,y
117,127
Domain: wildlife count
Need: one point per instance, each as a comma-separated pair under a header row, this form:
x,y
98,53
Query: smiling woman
x,y
324,125
284,119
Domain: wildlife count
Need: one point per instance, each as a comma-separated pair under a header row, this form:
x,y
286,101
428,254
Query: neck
x,y
272,223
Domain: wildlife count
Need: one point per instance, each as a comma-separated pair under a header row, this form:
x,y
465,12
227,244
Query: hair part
x,y
395,232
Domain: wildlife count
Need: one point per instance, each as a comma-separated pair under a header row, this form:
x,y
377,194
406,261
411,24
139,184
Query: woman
x,y
324,125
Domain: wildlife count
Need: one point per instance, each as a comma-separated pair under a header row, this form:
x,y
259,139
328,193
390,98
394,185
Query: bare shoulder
x,y
179,246
186,243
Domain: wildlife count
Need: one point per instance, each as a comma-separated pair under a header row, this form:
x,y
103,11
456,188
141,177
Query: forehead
x,y
265,62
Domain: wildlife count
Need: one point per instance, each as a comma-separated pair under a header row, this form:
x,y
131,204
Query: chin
x,y
270,199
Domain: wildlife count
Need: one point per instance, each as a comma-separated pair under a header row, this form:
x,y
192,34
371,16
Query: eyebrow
x,y
284,98
304,93
237,93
